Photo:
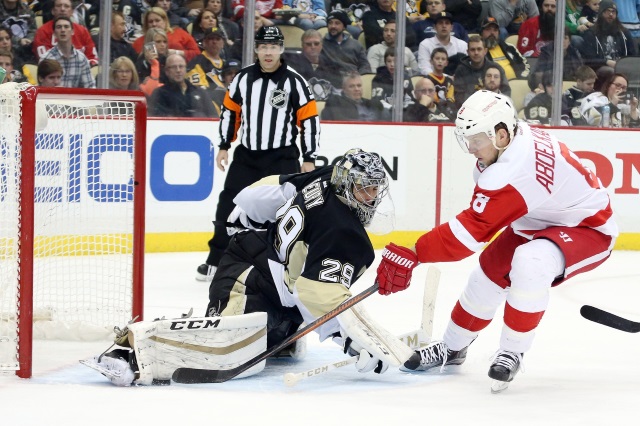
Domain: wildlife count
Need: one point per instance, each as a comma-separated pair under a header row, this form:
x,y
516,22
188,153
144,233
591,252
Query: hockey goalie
x,y
298,245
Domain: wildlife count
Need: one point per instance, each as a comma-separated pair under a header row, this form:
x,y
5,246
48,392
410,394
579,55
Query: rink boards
x,y
431,178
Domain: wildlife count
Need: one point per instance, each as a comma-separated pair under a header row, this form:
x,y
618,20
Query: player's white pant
x,y
534,267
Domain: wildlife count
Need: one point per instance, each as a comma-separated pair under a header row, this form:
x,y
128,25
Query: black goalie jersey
x,y
319,247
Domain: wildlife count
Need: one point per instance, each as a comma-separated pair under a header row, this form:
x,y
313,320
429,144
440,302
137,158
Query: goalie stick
x,y
610,320
413,339
197,375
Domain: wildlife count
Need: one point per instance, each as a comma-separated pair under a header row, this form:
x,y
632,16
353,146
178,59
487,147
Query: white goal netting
x,y
83,208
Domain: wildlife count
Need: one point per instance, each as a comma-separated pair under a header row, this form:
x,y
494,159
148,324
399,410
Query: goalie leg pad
x,y
372,337
206,343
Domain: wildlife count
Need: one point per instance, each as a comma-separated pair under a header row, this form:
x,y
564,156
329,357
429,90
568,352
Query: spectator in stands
x,y
628,15
45,36
425,109
21,55
455,47
376,53
572,97
427,27
590,11
622,114
442,82
504,54
572,60
492,80
120,46
77,71
536,32
312,14
350,105
608,40
511,14
539,108
576,25
50,73
469,75
17,15
6,62
355,10
263,7
229,71
204,21
464,12
178,97
123,74
323,74
382,84
131,11
151,63
178,16
230,28
204,70
373,21
340,47
179,40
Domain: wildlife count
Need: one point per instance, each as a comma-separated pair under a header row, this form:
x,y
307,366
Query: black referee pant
x,y
246,168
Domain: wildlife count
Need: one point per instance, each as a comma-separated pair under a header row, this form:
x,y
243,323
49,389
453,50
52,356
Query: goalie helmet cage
x,y
72,195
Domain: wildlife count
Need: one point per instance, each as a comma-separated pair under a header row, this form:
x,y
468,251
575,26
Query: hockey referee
x,y
270,104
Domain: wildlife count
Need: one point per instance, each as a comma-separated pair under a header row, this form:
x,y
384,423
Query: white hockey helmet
x,y
481,113
360,170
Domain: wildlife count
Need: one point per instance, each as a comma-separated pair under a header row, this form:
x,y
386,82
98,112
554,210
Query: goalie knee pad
x,y
207,343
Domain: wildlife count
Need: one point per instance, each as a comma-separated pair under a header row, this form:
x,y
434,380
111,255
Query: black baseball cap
x,y
442,15
213,32
489,20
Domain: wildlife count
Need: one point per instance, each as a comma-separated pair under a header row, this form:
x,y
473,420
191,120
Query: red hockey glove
x,y
394,272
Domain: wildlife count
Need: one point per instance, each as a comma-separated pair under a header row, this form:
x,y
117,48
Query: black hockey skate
x,y
435,354
504,368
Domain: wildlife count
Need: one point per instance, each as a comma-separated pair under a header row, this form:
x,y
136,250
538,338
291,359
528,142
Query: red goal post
x,y
72,197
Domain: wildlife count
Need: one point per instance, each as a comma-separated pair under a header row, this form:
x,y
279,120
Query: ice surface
x,y
577,373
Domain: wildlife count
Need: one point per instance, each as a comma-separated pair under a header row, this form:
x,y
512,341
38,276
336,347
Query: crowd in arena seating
x,y
183,54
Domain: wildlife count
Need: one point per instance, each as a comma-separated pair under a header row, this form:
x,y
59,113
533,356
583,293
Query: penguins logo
x,y
278,98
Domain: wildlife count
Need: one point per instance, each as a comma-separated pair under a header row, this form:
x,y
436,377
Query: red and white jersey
x,y
537,183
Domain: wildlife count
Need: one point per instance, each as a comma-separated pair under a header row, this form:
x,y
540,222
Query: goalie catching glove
x,y
394,272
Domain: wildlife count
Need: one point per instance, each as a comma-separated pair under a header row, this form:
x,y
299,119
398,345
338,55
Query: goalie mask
x,y
360,181
481,113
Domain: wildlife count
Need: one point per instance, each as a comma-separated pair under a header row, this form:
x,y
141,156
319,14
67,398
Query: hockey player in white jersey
x,y
558,221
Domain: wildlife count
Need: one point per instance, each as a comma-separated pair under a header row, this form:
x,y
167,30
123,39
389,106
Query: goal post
x,y
72,205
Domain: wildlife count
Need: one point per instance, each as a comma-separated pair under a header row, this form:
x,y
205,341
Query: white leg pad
x,y
372,337
208,343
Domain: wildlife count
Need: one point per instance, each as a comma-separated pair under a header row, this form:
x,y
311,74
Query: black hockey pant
x,y
243,284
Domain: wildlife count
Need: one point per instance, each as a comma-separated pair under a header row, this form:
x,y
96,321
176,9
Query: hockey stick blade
x,y
197,375
610,320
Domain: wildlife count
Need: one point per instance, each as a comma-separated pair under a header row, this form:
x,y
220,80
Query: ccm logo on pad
x,y
398,260
193,324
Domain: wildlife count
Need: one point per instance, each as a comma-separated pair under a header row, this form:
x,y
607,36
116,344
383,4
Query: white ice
x,y
577,373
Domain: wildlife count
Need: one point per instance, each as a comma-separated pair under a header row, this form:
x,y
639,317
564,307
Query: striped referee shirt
x,y
270,109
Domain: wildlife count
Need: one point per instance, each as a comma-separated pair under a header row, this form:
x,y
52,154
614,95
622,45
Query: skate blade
x,y
497,386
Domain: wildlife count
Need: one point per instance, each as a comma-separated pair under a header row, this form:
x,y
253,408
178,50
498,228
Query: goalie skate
x,y
113,366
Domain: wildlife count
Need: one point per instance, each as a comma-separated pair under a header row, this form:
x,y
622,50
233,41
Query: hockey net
x,y
72,173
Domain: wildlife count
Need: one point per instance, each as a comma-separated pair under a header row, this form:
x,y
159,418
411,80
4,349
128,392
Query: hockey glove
x,y
366,362
394,272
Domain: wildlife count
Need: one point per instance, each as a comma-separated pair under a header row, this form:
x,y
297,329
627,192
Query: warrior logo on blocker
x,y
279,98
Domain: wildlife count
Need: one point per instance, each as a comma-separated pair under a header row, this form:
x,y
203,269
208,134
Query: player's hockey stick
x,y
610,320
197,375
412,339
